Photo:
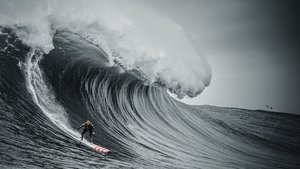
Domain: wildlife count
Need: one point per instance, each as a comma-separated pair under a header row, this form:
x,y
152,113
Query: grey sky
x,y
252,47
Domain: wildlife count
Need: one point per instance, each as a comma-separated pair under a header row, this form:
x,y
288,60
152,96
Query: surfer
x,y
88,127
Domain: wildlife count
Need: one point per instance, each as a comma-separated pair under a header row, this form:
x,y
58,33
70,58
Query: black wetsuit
x,y
87,128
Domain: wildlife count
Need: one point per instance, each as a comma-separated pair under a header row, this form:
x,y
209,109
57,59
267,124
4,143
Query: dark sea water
x,y
45,97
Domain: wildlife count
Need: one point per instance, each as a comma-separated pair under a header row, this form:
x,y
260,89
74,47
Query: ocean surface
x,y
44,97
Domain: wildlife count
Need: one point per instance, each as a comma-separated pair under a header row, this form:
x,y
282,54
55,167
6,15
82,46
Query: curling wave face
x,y
137,38
58,70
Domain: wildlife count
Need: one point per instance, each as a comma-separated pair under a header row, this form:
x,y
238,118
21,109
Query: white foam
x,y
129,31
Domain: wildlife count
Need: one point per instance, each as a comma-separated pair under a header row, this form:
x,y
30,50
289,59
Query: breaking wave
x,y
63,63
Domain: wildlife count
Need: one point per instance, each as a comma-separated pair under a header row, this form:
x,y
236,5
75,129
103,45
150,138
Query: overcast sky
x,y
252,47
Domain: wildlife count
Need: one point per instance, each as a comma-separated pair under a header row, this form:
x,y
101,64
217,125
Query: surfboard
x,y
95,147
101,149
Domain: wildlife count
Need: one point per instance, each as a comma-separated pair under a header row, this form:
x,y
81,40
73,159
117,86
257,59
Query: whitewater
x,y
114,63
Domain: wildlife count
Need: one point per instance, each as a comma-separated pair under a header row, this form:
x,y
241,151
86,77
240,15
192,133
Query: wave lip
x,y
138,39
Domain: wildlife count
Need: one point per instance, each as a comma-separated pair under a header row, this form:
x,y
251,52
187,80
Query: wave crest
x,y
135,37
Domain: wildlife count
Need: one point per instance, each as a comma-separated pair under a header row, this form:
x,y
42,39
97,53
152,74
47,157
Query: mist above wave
x,y
131,34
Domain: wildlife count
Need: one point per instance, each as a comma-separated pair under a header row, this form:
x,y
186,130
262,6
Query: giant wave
x,y
59,70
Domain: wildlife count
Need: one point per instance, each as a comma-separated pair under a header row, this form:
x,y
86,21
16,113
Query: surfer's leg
x,y
82,134
91,135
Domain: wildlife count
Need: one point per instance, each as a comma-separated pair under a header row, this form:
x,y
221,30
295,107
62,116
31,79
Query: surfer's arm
x,y
81,126
93,129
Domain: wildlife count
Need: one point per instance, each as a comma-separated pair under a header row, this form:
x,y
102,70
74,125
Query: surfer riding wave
x,y
59,69
87,127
